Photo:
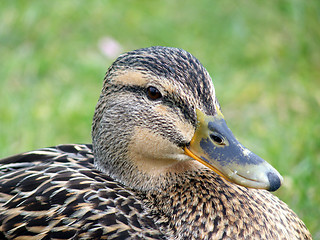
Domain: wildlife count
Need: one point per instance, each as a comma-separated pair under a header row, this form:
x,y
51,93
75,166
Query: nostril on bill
x,y
216,138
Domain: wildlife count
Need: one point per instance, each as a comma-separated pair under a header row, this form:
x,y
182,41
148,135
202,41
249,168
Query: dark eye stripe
x,y
166,99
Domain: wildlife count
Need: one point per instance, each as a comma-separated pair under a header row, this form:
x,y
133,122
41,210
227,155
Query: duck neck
x,y
188,205
150,179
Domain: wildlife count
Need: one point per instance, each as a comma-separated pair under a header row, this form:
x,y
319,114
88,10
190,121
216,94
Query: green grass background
x,y
264,57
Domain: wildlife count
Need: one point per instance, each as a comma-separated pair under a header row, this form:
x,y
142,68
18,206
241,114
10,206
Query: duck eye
x,y
153,93
216,138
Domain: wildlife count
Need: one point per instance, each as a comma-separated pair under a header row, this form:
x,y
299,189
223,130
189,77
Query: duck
x,y
162,164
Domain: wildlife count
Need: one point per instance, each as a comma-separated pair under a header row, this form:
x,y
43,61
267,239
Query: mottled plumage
x,y
136,181
55,193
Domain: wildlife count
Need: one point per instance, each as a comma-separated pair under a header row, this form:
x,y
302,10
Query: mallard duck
x,y
162,165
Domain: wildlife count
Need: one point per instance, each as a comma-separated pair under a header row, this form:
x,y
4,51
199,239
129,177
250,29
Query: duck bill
x,y
214,145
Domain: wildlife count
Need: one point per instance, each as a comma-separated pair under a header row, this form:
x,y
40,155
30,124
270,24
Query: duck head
x,y
158,117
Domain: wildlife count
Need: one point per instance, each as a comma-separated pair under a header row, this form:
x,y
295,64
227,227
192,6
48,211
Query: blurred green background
x,y
264,57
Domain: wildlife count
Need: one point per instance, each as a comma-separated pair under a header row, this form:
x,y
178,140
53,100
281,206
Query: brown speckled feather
x,y
55,193
211,208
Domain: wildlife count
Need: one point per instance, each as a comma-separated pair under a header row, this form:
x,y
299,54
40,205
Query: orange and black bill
x,y
215,146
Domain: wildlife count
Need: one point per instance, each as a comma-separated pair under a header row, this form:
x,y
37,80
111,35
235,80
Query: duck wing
x,y
57,193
